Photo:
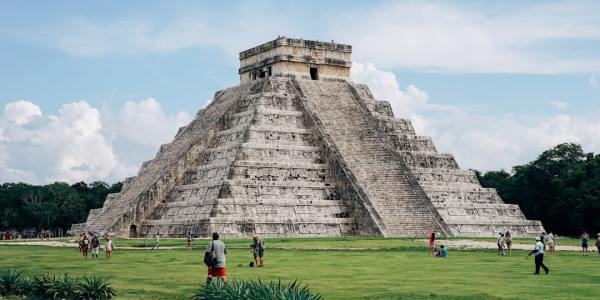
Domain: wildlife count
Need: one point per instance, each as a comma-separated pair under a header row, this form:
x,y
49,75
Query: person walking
x,y
258,250
216,262
95,246
431,243
156,242
189,240
539,256
508,239
585,238
500,242
108,247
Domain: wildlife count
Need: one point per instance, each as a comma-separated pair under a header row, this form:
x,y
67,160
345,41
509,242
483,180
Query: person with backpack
x,y
214,258
258,250
95,246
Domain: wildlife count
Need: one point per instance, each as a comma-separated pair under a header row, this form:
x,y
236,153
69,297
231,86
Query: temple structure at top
x,y
297,57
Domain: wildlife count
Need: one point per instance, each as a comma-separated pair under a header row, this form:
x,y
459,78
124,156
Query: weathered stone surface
x,y
285,155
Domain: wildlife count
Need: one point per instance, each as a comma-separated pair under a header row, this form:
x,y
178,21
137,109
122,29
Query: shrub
x,y
42,286
26,285
10,282
255,290
65,287
95,288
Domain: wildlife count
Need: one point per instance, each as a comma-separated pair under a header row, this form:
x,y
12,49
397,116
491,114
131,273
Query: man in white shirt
x,y
539,256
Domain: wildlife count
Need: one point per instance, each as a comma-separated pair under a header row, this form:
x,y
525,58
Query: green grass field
x,y
351,268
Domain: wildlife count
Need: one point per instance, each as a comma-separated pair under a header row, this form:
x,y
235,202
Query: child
x,y
444,252
436,253
108,248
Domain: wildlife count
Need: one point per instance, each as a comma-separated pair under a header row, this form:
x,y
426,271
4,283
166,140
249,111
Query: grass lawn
x,y
388,269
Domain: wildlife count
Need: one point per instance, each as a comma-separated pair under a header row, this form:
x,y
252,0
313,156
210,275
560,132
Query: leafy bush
x,y
42,285
25,286
10,283
65,287
95,288
255,290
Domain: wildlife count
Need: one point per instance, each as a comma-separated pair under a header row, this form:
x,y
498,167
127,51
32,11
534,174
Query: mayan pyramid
x,y
298,150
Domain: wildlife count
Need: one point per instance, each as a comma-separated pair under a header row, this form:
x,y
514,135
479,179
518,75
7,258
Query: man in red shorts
x,y
218,251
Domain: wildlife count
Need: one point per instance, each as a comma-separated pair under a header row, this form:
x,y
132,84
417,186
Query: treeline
x,y
56,205
561,188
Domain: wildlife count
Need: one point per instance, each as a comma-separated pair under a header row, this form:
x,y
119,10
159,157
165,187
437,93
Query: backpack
x,y
210,258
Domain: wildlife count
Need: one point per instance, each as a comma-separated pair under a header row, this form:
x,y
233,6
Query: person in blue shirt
x,y
539,256
444,251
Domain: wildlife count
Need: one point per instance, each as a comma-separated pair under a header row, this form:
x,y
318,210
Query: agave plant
x,y
42,286
95,287
10,282
65,287
255,290
25,286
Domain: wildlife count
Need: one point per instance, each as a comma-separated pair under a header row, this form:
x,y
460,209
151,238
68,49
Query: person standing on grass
x,y
258,250
85,246
598,243
80,241
217,251
550,243
95,246
431,243
539,256
189,240
585,237
108,247
156,242
500,242
508,239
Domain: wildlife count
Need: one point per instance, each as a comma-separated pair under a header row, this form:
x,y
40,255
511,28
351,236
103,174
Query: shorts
x,y
217,272
95,250
584,245
260,252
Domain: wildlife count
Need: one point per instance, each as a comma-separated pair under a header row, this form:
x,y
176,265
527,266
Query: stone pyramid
x,y
298,150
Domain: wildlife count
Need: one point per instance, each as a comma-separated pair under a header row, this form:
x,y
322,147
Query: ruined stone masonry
x,y
298,150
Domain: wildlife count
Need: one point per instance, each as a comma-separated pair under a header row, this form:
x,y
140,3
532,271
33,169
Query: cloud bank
x,y
80,142
478,140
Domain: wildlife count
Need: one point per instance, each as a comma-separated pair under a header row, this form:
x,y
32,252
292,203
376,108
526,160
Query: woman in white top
x,y
108,248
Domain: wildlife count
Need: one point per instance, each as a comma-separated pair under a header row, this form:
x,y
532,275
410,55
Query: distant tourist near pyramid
x,y
298,150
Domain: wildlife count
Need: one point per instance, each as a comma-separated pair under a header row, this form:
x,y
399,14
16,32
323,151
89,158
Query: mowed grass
x,y
351,268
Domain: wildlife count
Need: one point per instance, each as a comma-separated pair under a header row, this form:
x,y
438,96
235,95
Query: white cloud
x,y
385,87
21,112
80,143
480,141
559,104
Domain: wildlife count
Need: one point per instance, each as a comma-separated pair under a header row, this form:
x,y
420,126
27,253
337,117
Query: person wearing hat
x,y
539,256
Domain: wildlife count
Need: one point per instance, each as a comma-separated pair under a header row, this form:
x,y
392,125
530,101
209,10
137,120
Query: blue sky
x,y
492,83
